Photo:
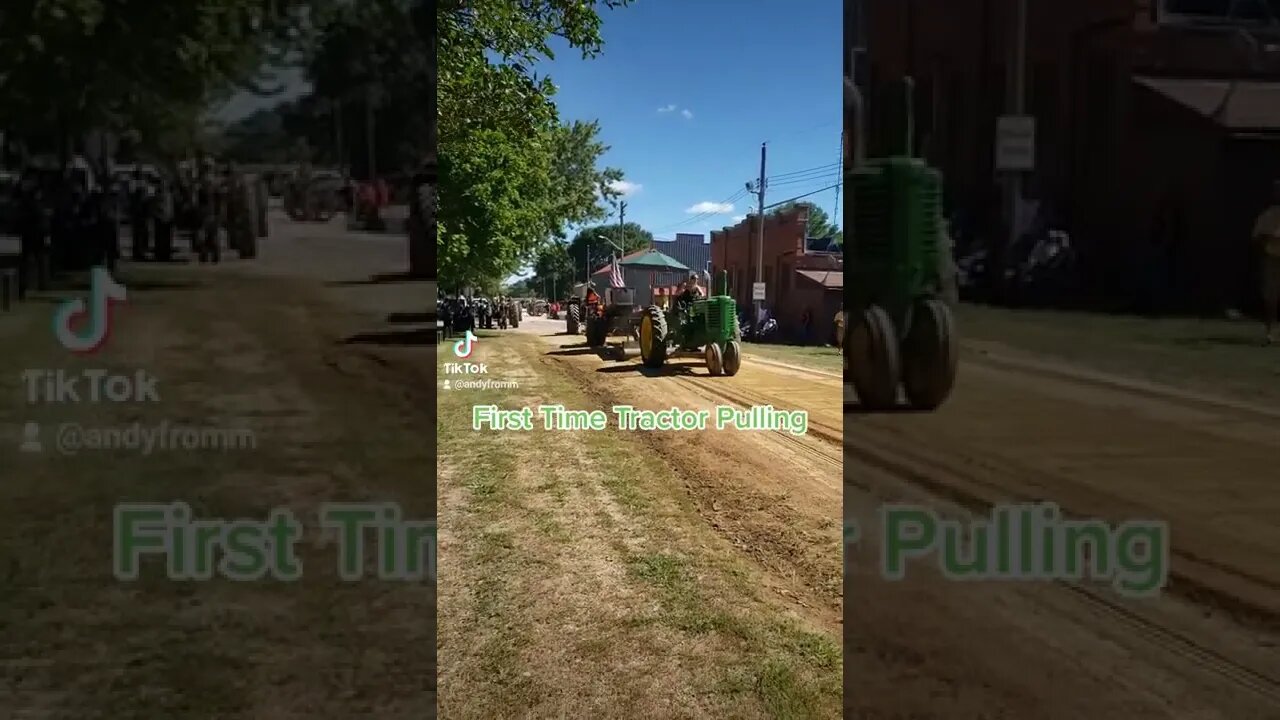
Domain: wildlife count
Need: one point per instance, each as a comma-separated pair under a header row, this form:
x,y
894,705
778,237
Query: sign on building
x,y
1016,142
757,291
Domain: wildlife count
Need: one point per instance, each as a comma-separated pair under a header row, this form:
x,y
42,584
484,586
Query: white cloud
x,y
686,113
739,218
625,188
710,207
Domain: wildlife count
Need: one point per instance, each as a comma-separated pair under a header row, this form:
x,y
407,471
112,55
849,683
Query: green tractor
x,y
900,330
706,328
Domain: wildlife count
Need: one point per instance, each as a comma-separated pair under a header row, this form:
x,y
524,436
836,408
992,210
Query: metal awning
x,y
829,279
1236,105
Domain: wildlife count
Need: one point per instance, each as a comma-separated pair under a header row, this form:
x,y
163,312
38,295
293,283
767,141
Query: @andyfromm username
x,y
72,438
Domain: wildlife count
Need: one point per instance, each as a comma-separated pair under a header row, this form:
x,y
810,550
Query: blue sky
x,y
687,90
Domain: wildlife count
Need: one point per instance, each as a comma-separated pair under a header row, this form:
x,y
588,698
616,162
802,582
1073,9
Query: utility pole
x,y
339,155
760,187
1017,107
369,122
622,214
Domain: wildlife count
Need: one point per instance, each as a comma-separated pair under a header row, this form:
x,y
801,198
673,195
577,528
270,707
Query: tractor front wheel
x,y
872,352
653,337
715,359
930,354
732,358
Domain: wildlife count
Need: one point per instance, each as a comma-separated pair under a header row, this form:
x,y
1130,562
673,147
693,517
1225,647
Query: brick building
x,y
797,277
1157,127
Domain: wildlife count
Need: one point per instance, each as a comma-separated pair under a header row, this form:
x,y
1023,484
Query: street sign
x,y
757,291
1016,143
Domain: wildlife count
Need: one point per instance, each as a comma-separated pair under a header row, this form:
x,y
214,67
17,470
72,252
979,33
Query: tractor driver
x,y
690,293
593,298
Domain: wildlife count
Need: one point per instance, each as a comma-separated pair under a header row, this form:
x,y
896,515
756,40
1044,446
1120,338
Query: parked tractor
x,y
574,310
615,316
312,198
707,328
900,331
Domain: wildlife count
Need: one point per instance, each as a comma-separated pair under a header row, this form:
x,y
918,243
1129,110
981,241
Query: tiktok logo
x,y
92,335
463,347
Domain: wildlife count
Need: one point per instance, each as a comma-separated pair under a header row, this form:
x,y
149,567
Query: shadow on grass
x,y
853,407
406,318
575,350
401,338
1218,341
381,279
81,284
668,370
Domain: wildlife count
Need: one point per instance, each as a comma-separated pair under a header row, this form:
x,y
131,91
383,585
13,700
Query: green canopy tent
x,y
655,261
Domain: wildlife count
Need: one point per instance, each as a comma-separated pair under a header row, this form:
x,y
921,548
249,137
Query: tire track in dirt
x,y
784,515
1114,436
979,497
978,483
570,583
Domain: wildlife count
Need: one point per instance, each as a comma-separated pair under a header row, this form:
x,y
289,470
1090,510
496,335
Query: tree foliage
x,y
633,237
512,175
68,66
552,270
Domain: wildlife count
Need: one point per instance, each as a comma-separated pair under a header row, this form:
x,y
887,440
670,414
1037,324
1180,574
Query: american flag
x,y
615,273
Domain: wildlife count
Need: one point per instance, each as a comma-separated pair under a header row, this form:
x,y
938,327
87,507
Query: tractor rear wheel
x,y
715,359
653,337
872,351
574,319
930,353
732,357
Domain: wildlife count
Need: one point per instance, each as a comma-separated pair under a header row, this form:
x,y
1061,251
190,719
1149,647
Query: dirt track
x,y
774,495
1206,648
323,359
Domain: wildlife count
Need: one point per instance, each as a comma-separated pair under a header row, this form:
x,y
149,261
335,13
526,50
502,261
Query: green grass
x,y
827,359
1219,356
161,648
779,668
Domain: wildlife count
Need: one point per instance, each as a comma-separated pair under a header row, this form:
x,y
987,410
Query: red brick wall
x,y
787,295
734,248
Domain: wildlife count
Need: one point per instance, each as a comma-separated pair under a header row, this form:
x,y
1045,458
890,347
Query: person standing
x,y
164,219
107,230
1266,235
140,216
33,230
209,209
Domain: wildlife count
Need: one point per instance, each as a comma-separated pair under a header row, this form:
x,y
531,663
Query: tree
x,y
819,224
512,176
554,266
633,237
69,66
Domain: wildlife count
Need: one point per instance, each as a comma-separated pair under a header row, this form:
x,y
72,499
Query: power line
x,y
806,181
704,214
839,181
815,192
807,175
822,169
